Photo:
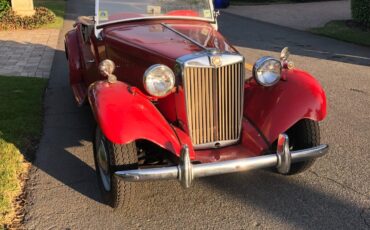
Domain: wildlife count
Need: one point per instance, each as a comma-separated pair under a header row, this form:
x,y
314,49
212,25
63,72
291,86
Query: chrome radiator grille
x,y
214,98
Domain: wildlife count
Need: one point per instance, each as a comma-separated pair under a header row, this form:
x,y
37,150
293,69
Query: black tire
x,y
304,134
121,194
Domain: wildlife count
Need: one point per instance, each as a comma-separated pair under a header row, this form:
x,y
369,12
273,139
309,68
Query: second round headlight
x,y
267,71
159,80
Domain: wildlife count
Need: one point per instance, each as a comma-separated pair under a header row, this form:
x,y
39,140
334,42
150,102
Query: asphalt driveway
x,y
334,194
300,16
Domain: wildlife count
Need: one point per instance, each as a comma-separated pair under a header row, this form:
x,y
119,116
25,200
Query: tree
x,y
361,11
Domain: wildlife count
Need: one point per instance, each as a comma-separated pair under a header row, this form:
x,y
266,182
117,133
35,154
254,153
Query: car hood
x,y
171,39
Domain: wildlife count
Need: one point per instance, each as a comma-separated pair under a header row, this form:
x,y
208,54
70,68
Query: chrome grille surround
x,y
214,98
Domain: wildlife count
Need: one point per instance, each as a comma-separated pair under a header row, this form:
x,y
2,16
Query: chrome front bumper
x,y
185,172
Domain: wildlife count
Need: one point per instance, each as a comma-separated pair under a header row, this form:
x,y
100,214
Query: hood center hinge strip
x,y
184,36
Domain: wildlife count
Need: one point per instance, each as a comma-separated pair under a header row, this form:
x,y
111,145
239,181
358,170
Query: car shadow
x,y
66,151
294,200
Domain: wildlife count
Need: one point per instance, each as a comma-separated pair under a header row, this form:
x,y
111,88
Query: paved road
x,y
301,16
334,194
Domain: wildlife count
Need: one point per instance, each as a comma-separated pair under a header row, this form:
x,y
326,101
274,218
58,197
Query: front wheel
x,y
304,134
109,158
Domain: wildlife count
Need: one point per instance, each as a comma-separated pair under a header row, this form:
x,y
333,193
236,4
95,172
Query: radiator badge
x,y
216,61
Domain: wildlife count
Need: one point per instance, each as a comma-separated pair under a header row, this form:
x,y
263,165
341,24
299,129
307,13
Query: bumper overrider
x,y
186,172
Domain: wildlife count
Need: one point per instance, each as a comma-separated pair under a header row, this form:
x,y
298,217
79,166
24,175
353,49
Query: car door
x,y
89,57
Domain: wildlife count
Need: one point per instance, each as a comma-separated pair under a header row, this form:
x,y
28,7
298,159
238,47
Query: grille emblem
x,y
216,61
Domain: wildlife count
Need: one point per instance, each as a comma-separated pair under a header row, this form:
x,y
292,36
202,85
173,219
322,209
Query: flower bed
x,y
11,21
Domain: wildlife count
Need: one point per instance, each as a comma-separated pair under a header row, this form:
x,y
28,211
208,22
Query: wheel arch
x,y
125,116
273,110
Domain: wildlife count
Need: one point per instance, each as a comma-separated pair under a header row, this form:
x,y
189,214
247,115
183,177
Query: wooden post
x,y
23,7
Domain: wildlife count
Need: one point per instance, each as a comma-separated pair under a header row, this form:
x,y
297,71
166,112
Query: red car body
x,y
126,113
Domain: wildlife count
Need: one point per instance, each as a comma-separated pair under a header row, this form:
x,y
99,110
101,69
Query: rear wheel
x,y
110,158
304,134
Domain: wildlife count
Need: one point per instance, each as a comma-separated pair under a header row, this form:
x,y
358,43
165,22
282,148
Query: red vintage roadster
x,y
172,98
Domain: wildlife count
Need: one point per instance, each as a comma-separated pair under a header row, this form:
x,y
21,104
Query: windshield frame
x,y
101,25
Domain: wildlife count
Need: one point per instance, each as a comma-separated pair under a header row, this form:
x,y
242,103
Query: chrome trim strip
x,y
202,59
186,172
184,36
101,25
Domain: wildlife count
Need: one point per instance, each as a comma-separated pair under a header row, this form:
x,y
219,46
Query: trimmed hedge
x,y
12,21
361,11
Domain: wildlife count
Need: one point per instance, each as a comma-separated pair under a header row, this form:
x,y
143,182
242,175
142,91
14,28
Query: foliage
x,y
361,11
11,166
4,6
58,7
346,31
11,21
20,128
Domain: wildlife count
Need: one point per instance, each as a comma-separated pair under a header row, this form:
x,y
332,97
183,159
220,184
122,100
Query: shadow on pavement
x,y
258,35
67,129
290,200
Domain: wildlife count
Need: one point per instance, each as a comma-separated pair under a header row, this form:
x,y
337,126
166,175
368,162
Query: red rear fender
x,y
124,115
275,109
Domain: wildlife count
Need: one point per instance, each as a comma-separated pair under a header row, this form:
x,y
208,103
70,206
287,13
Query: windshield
x,y
116,10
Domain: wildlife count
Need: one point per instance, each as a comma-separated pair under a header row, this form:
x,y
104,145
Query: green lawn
x,y
58,7
20,129
339,30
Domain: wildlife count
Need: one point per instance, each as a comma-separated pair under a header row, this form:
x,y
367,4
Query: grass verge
x,y
345,31
20,130
58,7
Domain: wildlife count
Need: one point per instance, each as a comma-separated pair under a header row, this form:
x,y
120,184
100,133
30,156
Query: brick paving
x,y
27,53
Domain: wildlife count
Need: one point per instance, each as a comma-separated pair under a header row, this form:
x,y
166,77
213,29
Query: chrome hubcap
x,y
103,165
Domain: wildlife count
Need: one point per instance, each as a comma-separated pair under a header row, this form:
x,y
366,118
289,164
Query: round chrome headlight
x,y
159,80
267,71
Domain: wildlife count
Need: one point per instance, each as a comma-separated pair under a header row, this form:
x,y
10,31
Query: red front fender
x,y
124,115
275,109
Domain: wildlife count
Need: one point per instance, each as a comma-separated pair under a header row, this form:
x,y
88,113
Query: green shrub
x,y
11,21
4,6
361,11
